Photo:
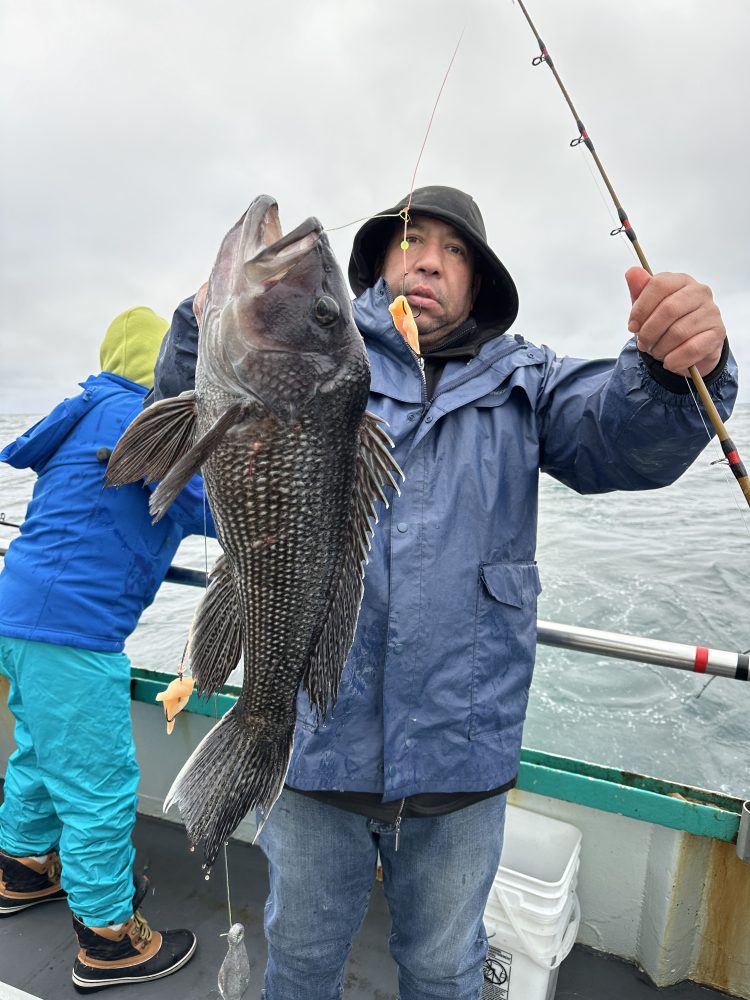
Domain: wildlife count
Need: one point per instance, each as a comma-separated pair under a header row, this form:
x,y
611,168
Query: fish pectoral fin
x,y
215,643
154,442
180,475
376,468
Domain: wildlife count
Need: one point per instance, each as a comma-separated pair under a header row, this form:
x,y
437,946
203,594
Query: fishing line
x,y
723,463
365,218
623,240
429,124
226,871
702,690
727,445
216,708
404,213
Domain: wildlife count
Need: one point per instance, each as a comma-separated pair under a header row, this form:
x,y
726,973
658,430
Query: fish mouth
x,y
266,250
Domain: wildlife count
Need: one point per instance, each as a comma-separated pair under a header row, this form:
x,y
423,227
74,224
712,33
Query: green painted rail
x,y
654,800
608,789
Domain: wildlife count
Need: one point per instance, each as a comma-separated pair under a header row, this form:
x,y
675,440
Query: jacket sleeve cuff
x,y
677,383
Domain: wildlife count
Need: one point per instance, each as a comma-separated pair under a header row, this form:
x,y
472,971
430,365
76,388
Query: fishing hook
x,y
416,315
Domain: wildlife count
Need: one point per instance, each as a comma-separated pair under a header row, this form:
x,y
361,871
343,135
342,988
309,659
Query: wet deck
x,y
37,946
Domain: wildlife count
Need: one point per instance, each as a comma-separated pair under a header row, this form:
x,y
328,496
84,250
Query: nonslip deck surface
x,y
37,946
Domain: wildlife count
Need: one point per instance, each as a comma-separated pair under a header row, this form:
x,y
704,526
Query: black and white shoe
x,y
25,882
132,954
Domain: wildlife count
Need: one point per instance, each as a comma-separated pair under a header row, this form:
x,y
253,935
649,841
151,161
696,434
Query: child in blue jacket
x,y
86,564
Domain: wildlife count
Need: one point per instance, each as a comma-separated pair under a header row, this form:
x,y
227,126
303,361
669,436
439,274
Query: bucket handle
x,y
566,944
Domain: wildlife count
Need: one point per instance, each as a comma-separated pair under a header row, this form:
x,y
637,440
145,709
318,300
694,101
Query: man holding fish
x,y
412,762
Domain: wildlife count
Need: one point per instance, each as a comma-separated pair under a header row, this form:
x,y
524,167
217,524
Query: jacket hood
x,y
131,344
39,443
497,301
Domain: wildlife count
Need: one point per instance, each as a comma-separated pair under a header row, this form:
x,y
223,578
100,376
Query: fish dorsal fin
x,y
215,643
180,474
376,469
155,441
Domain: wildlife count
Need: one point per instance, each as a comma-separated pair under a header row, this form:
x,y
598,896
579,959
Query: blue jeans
x,y
71,784
322,863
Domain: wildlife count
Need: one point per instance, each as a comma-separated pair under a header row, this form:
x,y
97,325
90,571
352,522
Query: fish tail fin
x,y
239,765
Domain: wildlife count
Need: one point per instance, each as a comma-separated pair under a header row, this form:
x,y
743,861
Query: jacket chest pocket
x,y
504,646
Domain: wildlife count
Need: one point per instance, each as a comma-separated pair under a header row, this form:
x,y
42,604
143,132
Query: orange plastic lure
x,y
404,321
174,698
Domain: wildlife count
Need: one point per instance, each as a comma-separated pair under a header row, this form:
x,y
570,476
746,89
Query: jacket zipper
x,y
420,362
397,828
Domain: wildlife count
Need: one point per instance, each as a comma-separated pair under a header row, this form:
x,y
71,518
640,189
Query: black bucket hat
x,y
497,301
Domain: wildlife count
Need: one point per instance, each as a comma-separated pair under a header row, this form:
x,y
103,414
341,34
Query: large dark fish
x,y
293,466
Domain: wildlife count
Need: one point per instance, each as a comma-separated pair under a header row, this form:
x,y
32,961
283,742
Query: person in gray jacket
x,y
414,761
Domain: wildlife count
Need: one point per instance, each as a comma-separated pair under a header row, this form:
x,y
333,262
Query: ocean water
x,y
670,564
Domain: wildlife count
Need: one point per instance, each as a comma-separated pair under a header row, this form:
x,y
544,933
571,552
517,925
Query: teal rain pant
x,y
71,783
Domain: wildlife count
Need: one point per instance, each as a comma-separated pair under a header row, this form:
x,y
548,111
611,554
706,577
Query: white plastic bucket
x,y
540,856
532,914
511,973
505,914
541,920
514,976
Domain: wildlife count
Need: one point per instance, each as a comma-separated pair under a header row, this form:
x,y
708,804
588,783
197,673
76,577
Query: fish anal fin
x,y
215,644
155,441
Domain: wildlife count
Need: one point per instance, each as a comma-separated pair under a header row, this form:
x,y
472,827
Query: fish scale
x,y
283,584
294,467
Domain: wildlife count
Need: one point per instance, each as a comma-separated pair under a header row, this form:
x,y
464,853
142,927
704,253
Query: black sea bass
x,y
293,466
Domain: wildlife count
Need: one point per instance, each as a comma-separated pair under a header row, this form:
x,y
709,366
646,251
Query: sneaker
x,y
131,954
25,882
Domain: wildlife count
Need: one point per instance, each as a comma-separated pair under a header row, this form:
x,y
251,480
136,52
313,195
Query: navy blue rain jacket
x,y
434,692
88,560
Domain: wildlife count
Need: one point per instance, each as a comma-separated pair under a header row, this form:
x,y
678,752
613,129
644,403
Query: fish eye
x,y
326,310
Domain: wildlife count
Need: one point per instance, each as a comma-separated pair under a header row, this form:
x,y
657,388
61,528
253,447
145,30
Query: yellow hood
x,y
131,344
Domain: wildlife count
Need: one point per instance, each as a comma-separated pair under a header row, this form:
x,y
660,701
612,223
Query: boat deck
x,y
37,946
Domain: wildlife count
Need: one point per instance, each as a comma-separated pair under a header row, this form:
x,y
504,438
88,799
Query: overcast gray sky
x,y
135,133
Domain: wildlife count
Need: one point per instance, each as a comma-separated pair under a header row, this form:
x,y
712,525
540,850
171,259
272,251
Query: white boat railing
x,y
679,655
699,659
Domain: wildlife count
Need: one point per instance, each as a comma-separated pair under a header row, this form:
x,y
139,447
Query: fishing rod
x,y
727,445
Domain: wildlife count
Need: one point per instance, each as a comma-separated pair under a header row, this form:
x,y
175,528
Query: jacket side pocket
x,y
504,646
